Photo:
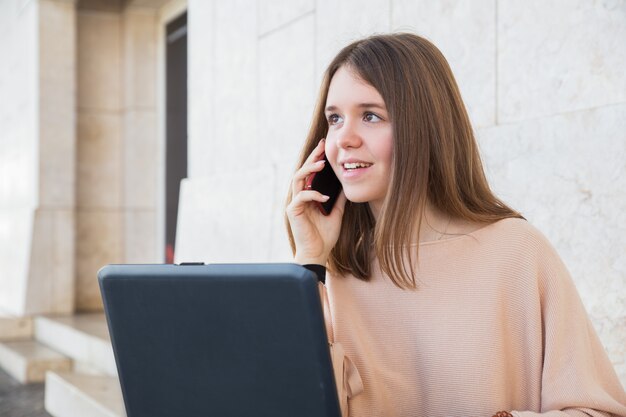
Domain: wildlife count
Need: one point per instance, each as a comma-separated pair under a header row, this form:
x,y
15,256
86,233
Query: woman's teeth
x,y
355,165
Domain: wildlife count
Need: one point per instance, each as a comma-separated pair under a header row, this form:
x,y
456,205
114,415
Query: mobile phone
x,y
327,183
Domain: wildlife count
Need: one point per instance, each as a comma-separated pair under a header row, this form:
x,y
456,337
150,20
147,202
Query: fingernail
x,y
321,162
325,197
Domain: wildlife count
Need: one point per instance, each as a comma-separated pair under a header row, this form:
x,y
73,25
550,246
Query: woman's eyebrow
x,y
360,105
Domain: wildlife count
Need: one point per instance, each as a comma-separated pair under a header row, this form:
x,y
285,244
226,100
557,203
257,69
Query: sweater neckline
x,y
474,234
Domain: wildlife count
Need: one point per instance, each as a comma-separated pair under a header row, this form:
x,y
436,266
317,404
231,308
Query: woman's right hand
x,y
314,234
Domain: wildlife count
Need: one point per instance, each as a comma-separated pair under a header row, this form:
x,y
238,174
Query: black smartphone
x,y
327,183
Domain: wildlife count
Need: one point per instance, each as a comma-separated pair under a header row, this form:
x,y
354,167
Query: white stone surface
x,y
286,91
559,56
71,394
280,249
19,106
235,143
139,57
339,23
16,227
139,146
226,217
465,32
19,125
37,157
57,104
566,174
273,14
27,361
140,237
200,87
223,87
83,338
139,161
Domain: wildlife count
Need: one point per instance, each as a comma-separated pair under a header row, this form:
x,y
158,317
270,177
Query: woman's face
x,y
359,143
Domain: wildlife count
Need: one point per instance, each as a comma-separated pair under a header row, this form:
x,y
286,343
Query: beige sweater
x,y
496,324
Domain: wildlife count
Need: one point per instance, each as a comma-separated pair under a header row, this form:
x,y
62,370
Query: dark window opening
x,y
175,125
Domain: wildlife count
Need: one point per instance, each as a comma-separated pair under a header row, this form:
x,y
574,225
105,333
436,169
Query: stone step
x,y
15,328
82,337
70,394
27,360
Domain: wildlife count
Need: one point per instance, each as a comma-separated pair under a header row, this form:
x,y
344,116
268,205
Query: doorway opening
x,y
175,125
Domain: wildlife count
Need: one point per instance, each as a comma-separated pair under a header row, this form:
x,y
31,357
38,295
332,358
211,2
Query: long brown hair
x,y
435,155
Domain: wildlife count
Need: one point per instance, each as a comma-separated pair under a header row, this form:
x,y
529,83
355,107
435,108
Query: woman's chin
x,y
356,198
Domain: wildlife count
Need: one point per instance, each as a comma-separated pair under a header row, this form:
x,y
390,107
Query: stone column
x,y
140,141
37,159
117,142
99,150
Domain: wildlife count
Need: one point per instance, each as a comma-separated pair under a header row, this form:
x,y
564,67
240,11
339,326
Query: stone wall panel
x,y
273,14
559,56
99,153
140,160
99,73
339,23
140,237
465,32
235,142
286,89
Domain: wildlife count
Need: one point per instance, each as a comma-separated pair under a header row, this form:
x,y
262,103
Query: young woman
x,y
445,301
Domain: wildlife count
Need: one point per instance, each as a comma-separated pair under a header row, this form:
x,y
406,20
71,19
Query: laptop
x,y
195,340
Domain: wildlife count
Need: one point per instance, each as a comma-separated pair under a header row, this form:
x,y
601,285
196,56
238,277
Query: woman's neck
x,y
435,224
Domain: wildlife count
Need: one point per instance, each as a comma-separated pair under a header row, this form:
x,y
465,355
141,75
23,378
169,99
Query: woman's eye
x,y
333,119
371,117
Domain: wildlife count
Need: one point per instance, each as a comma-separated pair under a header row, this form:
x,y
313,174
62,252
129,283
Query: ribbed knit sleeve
x,y
578,378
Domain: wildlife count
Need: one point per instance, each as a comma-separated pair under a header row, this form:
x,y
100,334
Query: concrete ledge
x,y
83,337
15,328
74,395
27,361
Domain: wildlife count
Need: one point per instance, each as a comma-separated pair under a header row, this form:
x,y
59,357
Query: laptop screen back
x,y
219,340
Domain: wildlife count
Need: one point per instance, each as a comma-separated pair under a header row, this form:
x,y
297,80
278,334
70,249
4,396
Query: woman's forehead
x,y
347,88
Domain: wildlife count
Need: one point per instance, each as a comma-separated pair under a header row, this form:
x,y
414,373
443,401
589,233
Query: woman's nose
x,y
348,136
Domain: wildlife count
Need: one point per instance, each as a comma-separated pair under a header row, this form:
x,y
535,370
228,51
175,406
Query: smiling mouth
x,y
350,166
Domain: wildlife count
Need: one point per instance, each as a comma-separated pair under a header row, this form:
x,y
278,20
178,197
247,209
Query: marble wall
x,y
18,141
543,82
37,159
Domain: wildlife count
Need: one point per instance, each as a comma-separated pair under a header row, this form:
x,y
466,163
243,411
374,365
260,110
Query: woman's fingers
x,y
317,152
299,178
301,174
310,195
300,200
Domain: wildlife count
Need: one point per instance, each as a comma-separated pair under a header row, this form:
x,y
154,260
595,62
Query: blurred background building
x,y
157,130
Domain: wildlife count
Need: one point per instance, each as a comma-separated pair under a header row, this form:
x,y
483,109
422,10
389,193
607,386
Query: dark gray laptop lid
x,y
219,340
